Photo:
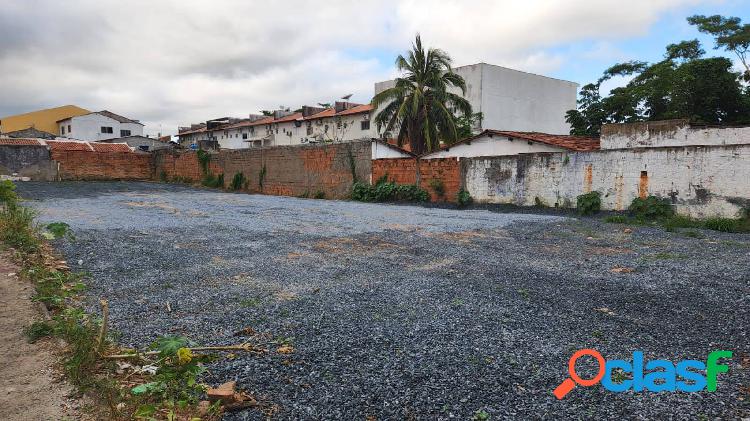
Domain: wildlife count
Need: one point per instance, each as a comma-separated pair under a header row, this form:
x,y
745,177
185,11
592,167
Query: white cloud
x,y
174,62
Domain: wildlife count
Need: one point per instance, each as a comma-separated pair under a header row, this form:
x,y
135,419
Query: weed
x,y
524,293
463,198
250,302
457,302
203,160
320,194
60,230
566,160
239,182
481,415
209,180
438,187
693,234
589,203
262,177
38,330
617,219
17,228
163,176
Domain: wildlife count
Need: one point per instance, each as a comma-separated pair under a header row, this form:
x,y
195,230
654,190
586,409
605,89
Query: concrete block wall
x,y
701,181
27,161
655,134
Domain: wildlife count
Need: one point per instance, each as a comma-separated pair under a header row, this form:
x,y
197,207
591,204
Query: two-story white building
x,y
99,125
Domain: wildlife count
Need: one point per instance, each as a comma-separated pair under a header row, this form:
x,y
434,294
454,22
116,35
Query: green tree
x,y
729,33
683,85
420,105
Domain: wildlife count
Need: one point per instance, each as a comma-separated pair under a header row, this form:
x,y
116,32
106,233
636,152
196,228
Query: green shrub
x,y
320,194
438,187
722,224
463,198
589,203
59,230
386,191
239,182
651,208
203,159
8,195
38,330
17,228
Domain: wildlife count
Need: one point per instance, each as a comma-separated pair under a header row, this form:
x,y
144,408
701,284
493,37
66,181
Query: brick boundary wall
x,y
404,171
289,170
88,165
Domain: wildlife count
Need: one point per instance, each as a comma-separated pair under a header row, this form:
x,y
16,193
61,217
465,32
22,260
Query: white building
x,y
513,100
501,143
99,125
342,123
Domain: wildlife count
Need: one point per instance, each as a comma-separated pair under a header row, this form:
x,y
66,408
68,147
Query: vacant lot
x,y
400,312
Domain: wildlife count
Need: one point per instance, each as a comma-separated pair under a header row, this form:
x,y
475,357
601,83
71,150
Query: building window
x,y
107,130
124,133
62,130
309,130
244,136
69,128
325,129
365,125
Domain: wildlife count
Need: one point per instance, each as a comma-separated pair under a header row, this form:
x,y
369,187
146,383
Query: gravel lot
x,y
401,312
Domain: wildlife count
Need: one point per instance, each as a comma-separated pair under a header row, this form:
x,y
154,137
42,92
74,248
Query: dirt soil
x,y
31,387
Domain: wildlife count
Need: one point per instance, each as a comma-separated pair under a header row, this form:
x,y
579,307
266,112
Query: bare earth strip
x,y
29,390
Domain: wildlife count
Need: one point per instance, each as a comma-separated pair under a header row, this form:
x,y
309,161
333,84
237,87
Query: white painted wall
x,y
88,127
704,181
656,134
514,100
381,151
493,146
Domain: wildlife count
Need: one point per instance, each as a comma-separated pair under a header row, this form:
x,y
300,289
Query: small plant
x,y
438,187
203,160
163,176
617,219
589,203
7,193
538,202
38,330
238,182
59,230
320,194
214,181
463,198
481,415
385,191
250,302
262,177
651,208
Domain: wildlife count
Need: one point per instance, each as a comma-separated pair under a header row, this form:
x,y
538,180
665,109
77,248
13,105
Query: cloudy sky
x,y
172,62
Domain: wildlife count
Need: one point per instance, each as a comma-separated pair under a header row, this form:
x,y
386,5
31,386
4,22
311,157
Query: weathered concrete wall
x,y
27,161
289,170
655,134
700,181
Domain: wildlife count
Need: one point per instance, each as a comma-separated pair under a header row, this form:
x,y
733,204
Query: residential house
x,y
142,143
100,125
500,143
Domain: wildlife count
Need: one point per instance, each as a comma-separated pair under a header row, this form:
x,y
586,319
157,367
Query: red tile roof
x,y
574,143
68,145
364,108
328,112
264,120
292,117
19,142
110,147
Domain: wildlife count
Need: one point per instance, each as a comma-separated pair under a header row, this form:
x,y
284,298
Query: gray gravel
x,y
408,312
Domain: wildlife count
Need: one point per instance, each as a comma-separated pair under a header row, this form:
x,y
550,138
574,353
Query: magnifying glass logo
x,y
568,384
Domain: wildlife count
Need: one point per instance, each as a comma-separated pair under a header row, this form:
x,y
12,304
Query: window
x,y
69,128
365,125
62,130
124,133
107,130
309,130
244,135
325,129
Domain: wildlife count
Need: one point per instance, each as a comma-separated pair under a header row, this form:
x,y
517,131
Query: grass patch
x,y
38,330
250,302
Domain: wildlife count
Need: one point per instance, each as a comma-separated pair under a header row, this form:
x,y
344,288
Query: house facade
x,y
44,120
100,125
344,122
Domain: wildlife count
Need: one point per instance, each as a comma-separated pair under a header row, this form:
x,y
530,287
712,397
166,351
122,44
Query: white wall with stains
x,y
654,134
701,181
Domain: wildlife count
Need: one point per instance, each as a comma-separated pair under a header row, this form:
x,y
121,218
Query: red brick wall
x,y
289,170
88,165
403,171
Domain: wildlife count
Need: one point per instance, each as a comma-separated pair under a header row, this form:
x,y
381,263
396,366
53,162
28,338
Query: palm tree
x,y
420,104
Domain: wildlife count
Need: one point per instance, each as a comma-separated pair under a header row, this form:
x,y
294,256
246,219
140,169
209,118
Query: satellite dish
x,y
346,97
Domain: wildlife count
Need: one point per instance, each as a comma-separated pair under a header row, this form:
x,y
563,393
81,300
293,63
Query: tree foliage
x,y
420,105
685,84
